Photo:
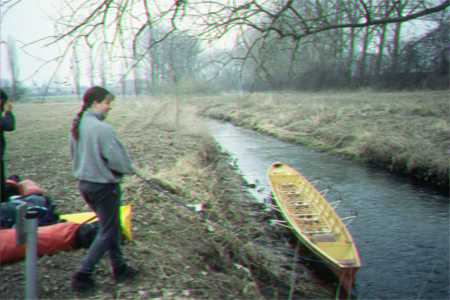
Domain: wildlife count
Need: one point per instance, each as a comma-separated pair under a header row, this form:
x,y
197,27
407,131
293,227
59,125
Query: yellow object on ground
x,y
89,217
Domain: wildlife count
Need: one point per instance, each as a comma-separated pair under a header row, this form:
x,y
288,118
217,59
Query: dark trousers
x,y
104,200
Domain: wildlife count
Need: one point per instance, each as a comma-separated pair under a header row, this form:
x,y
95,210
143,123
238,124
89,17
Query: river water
x,y
401,230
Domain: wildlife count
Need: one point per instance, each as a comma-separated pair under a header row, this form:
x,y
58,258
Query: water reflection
x,y
401,230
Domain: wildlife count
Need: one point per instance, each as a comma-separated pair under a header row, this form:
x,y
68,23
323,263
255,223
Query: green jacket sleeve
x,y
8,122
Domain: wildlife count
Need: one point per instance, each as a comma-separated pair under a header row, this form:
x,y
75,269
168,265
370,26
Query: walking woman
x,y
7,123
99,163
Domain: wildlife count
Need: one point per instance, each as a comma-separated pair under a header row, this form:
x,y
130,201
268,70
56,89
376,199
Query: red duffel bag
x,y
51,239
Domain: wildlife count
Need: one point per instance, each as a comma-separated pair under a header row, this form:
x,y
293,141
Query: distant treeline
x,y
378,57
278,51
324,63
373,57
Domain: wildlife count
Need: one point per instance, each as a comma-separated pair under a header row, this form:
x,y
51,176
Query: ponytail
x,y
93,94
76,123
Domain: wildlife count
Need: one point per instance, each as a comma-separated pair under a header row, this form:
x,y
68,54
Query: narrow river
x,y
401,230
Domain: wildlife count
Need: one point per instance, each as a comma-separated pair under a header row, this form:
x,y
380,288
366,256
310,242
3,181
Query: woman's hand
x,y
8,106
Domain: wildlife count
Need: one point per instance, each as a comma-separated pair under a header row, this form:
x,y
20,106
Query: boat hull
x,y
315,223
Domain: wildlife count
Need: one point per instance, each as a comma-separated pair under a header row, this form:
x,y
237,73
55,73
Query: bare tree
x,y
13,66
75,67
91,60
103,68
382,37
399,8
295,23
5,7
214,19
123,63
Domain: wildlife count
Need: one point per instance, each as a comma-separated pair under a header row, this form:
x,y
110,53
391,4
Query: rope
x,y
338,291
154,184
348,293
312,260
293,274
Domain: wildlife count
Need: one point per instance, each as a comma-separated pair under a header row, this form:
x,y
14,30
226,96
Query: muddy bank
x,y
406,133
226,252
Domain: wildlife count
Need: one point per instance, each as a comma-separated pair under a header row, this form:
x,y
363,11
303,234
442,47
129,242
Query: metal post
x,y
31,225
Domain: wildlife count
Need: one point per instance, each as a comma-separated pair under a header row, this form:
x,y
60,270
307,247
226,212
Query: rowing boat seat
x,y
324,238
299,204
309,220
322,230
307,215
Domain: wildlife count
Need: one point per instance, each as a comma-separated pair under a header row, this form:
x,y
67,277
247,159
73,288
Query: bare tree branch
x,y
107,21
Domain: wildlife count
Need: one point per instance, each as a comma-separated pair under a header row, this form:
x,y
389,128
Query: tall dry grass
x,y
178,254
405,132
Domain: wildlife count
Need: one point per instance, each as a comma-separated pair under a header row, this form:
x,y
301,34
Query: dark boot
x,y
82,282
124,273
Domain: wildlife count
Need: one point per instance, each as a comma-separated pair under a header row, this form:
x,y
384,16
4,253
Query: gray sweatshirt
x,y
98,156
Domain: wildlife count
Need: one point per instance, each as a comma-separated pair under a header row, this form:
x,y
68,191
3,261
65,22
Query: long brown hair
x,y
93,94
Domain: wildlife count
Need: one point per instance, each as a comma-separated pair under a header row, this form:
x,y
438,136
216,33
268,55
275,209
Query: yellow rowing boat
x,y
315,223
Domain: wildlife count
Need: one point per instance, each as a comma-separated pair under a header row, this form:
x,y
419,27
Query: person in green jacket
x,y
99,163
7,123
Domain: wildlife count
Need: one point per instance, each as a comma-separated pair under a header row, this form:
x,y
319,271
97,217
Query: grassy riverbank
x,y
179,254
404,132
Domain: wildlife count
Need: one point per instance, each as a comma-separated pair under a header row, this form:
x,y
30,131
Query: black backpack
x,y
47,216
7,214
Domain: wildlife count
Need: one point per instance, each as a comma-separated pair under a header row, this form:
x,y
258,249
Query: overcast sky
x,y
26,22
31,20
